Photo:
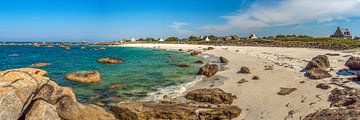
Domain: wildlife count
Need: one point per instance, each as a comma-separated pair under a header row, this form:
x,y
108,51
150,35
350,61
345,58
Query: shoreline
x,y
258,98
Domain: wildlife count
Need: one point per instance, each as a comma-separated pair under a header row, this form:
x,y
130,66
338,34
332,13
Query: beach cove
x,y
259,99
247,83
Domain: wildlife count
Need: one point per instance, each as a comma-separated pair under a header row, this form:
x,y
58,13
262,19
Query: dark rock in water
x,y
110,60
334,114
84,76
116,86
154,111
320,61
199,62
213,96
208,70
181,50
183,65
323,86
221,113
353,63
317,73
286,91
244,70
223,60
40,65
256,78
195,53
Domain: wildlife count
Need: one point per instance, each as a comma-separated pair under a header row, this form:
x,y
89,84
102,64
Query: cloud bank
x,y
179,27
287,12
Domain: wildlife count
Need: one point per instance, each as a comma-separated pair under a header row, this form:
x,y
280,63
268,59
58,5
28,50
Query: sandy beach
x,y
258,98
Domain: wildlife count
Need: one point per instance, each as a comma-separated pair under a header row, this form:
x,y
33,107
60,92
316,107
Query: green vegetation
x,y
172,39
278,41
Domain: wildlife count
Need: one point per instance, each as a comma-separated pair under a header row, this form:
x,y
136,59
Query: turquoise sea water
x,y
144,70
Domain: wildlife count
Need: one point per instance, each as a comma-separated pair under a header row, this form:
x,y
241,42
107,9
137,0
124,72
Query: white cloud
x,y
179,27
287,12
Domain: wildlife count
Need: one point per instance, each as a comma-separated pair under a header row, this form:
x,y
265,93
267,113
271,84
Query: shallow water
x,y
144,70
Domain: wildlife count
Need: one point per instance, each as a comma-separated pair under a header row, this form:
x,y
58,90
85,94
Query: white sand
x,y
258,98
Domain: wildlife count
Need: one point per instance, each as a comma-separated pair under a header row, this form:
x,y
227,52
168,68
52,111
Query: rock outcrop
x,y
146,111
320,61
222,113
344,106
353,63
208,70
28,94
317,73
213,96
84,77
223,60
110,60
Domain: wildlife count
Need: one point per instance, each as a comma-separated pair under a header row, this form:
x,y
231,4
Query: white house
x,y
161,40
207,39
252,36
133,40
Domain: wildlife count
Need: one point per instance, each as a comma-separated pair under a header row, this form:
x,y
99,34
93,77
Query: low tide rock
x,y
199,62
334,114
244,70
320,61
213,96
221,113
183,65
84,76
286,91
152,111
208,70
353,63
317,73
223,60
195,53
40,65
323,86
110,60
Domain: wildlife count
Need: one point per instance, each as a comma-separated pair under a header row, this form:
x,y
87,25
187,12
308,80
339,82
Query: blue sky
x,y
108,20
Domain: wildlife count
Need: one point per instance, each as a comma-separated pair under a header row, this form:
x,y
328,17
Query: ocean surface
x,y
146,74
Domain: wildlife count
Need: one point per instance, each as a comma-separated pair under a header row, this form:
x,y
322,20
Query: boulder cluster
x,y
28,94
345,105
221,109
